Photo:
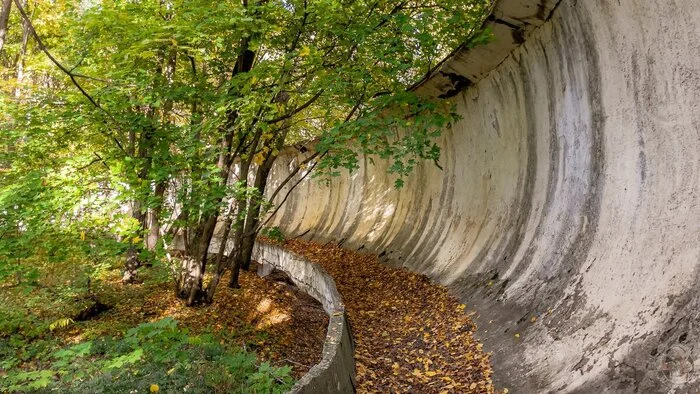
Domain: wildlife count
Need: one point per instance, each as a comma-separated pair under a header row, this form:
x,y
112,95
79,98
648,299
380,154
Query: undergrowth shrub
x,y
151,356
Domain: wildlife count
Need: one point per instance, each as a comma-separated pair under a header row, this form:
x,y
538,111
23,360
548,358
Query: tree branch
x,y
286,196
66,71
299,108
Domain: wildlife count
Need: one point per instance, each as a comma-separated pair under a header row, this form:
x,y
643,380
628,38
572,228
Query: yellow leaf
x,y
82,235
259,158
253,80
154,388
431,373
517,335
505,391
534,319
304,51
136,240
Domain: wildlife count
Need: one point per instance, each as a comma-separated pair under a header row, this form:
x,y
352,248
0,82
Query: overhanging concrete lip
x,y
511,22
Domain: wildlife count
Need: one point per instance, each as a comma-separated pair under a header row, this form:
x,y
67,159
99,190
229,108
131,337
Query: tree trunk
x,y
205,232
241,206
4,18
133,261
191,279
22,53
153,215
153,218
246,239
220,263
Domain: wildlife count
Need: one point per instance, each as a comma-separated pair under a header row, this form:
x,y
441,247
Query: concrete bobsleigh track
x,y
568,210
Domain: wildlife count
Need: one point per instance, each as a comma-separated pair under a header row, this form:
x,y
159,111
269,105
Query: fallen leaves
x,y
279,322
410,334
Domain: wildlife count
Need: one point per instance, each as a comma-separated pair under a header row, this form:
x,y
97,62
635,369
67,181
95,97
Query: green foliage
x,y
165,76
273,233
150,353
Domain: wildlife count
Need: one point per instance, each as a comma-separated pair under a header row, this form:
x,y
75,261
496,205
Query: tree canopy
x,y
133,122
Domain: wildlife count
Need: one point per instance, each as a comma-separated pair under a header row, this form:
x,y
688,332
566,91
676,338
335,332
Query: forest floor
x,y
273,319
411,335
277,321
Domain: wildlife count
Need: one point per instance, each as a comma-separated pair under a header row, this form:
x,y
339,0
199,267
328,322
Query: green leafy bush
x,y
157,353
273,233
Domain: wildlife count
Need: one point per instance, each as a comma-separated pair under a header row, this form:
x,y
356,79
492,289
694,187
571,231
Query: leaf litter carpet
x,y
411,336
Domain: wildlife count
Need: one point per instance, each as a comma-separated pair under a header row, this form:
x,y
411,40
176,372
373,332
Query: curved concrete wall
x,y
568,211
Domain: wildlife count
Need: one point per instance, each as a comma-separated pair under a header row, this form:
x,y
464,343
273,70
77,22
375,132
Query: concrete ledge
x,y
336,371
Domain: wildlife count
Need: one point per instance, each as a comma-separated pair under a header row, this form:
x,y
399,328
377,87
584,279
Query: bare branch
x,y
299,108
286,196
292,174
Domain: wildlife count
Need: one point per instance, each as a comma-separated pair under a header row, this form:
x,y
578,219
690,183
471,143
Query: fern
x,y
61,323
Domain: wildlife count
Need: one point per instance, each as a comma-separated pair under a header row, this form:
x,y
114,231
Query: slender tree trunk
x,y
22,53
245,240
194,290
139,212
234,261
149,218
153,218
153,215
220,263
133,262
4,18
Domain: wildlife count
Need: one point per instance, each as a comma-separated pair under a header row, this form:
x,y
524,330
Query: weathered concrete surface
x,y
570,193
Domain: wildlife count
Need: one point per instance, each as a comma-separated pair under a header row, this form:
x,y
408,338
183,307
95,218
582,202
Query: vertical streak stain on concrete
x,y
569,208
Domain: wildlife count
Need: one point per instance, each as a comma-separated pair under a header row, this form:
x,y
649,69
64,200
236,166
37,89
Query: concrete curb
x,y
336,371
